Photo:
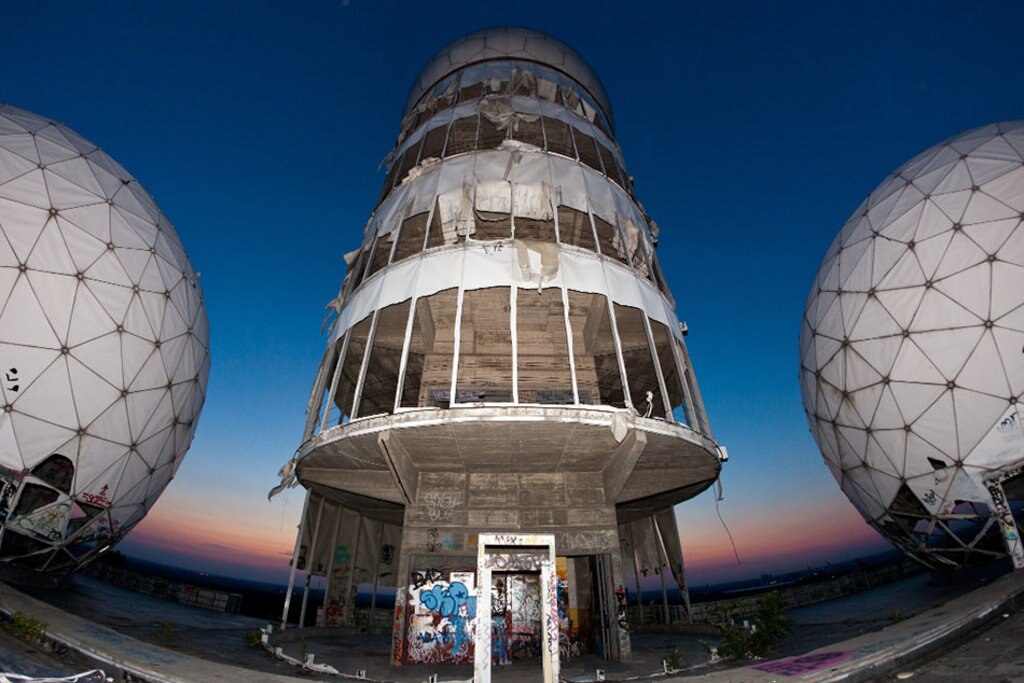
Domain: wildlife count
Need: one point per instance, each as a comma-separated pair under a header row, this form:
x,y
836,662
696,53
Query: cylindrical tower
x,y
506,358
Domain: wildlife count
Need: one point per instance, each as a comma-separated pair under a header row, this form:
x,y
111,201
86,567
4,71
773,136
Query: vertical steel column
x,y
330,562
376,573
663,561
295,561
309,562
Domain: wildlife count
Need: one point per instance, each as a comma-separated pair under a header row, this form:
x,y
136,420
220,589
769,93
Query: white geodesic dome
x,y
911,364
104,347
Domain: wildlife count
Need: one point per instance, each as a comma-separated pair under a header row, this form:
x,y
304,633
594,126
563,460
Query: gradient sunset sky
x,y
753,131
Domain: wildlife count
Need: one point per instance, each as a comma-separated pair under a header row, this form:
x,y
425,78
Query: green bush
x,y
253,638
770,625
25,627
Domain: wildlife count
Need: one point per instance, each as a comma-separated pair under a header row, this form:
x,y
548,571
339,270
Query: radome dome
x,y
911,367
104,347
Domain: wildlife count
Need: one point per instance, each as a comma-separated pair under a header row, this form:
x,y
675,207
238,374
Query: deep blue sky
x,y
753,130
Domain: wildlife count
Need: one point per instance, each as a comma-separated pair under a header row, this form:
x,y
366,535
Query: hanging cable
x,y
725,526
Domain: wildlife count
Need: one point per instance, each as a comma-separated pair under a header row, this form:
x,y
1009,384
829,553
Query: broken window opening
x,y
695,401
543,350
637,356
350,365
597,367
408,161
529,132
411,236
438,237
471,92
15,544
535,229
490,136
611,167
574,228
33,497
428,368
587,148
609,240
57,471
325,410
559,139
462,137
381,381
670,372
433,143
485,347
492,225
380,255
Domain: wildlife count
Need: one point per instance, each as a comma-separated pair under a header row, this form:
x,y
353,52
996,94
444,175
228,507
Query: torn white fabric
x,y
532,201
494,196
536,262
498,110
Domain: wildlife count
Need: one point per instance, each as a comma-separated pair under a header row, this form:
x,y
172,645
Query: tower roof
x,y
508,42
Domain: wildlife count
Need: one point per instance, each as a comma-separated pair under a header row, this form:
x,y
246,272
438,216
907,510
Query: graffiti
x,y
387,553
552,600
1006,522
341,556
520,562
450,601
804,664
930,497
442,616
620,608
421,578
8,488
439,505
506,539
499,598
11,379
97,498
500,642
591,541
47,522
433,540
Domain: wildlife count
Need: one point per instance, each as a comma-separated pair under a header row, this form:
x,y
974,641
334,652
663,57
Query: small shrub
x,y
770,625
168,631
896,616
674,661
25,627
253,638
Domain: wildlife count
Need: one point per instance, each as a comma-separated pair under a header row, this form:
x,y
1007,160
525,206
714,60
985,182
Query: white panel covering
x,y
104,338
478,265
910,349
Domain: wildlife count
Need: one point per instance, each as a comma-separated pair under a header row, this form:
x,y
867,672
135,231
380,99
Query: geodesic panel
x,y
104,346
910,349
507,42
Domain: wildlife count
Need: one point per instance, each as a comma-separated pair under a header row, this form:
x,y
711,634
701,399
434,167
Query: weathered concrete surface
x,y
874,656
943,634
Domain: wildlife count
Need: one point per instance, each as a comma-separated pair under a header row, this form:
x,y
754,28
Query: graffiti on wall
x,y
336,599
442,616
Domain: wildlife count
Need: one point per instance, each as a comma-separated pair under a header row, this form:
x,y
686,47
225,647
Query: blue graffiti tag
x,y
448,601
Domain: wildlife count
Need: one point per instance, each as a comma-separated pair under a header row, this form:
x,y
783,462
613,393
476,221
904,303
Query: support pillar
x,y
295,562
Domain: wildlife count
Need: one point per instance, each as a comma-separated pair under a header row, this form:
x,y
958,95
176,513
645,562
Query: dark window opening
x,y
350,364
597,367
491,225
535,229
57,471
543,352
381,382
587,147
462,137
410,239
574,228
428,370
530,132
644,389
558,137
490,136
433,143
485,347
33,497
609,240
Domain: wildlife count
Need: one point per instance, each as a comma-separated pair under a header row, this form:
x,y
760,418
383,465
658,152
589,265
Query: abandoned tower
x,y
506,359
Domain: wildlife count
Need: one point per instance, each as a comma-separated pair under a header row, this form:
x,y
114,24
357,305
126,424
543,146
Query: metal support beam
x,y
295,562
